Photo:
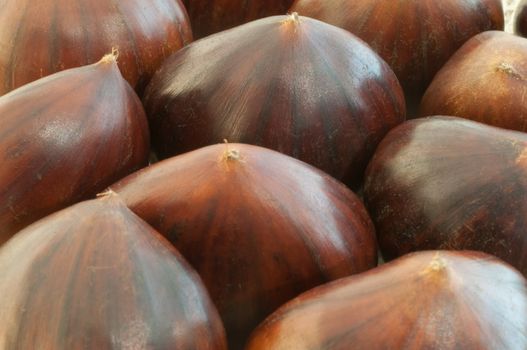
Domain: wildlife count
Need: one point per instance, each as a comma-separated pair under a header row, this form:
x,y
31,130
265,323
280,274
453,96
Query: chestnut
x,y
66,137
485,81
258,226
96,276
415,37
450,183
289,83
426,300
44,37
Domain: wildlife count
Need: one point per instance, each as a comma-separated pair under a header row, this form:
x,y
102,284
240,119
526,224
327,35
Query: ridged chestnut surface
x,y
96,276
427,300
289,83
211,16
485,81
258,226
450,183
64,138
415,37
38,38
520,19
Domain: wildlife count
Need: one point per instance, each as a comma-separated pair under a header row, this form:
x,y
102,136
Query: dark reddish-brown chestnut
x,y
426,300
211,16
520,18
38,39
485,81
450,183
289,83
64,138
96,276
415,37
259,227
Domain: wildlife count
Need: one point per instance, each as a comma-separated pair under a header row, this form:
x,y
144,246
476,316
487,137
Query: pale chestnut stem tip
x,y
230,154
111,57
437,265
292,18
108,193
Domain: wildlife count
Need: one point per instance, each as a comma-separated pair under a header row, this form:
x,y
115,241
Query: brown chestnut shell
x,y
64,138
426,300
450,183
485,81
258,226
38,39
292,84
415,37
96,276
212,16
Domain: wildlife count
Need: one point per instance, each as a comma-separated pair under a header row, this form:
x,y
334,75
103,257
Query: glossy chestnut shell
x,y
289,83
426,300
415,37
212,16
485,81
64,138
47,36
258,226
96,276
450,183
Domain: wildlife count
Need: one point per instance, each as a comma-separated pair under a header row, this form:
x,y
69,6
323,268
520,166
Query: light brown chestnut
x,y
258,226
64,138
38,38
485,81
426,300
96,276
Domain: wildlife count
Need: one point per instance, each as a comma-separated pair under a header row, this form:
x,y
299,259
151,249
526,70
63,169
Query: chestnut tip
x,y
110,57
292,18
437,270
110,196
437,264
231,154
